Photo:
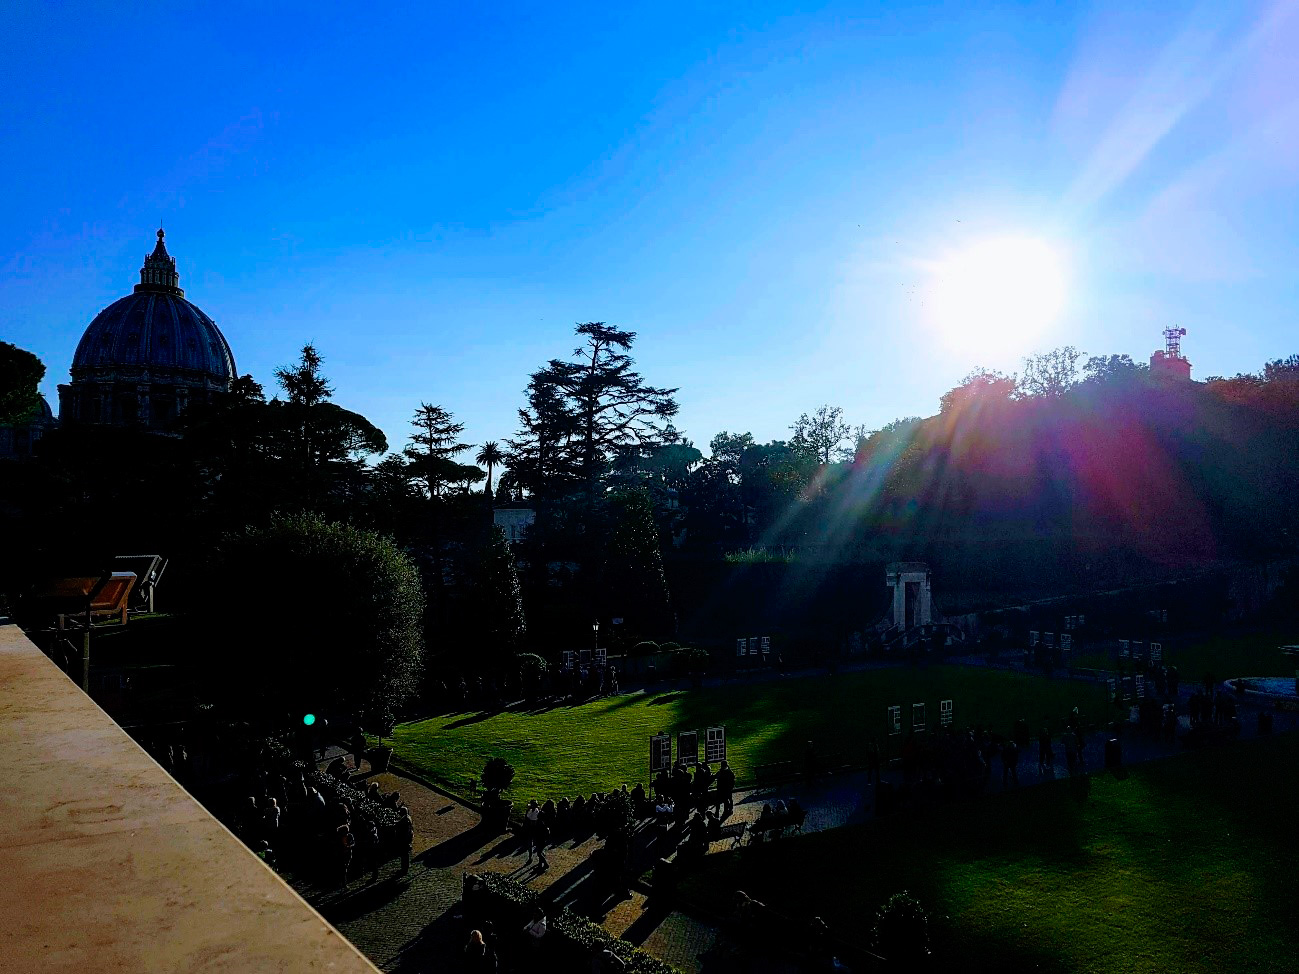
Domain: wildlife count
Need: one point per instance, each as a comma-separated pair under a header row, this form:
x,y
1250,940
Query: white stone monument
x,y
912,598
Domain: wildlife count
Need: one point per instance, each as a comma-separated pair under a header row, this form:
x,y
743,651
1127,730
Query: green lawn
x,y
1245,654
601,745
1253,653
1185,864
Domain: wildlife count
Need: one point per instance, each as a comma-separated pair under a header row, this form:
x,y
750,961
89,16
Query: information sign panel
x,y
945,713
660,753
755,645
715,744
766,645
1112,688
1032,637
918,717
584,658
1066,641
1125,650
895,718
570,657
688,747
1156,652
1048,640
601,657
1139,682
741,647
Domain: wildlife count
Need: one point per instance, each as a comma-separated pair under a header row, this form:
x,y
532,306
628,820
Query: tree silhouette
x,y
489,455
433,446
20,374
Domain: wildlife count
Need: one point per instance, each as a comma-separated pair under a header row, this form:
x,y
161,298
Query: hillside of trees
x,y
1078,474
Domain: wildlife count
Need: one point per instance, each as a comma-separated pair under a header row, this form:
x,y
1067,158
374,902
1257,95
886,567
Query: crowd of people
x,y
685,792
309,819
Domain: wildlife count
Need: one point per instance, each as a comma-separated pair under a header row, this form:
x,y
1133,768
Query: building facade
x,y
148,356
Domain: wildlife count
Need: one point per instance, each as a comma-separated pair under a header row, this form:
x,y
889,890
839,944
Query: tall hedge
x,y
316,617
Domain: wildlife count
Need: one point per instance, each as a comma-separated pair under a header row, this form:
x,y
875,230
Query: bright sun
x,y
997,295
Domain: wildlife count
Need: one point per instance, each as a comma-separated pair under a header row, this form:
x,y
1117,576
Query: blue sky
x,y
766,193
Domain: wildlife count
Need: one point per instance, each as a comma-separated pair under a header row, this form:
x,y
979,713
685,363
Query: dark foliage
x,y
341,633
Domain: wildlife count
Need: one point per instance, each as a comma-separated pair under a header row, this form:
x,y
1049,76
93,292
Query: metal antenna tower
x,y
1173,341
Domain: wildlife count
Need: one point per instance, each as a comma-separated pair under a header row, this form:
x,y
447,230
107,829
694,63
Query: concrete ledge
x,y
109,865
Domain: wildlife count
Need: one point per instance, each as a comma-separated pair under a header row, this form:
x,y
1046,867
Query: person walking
x,y
540,835
1045,756
1010,764
406,835
531,821
346,842
370,834
726,787
479,957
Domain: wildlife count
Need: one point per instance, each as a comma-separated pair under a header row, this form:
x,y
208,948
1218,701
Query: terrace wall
x,y
109,865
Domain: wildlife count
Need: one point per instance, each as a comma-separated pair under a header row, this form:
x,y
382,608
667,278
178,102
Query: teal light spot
x,y
309,719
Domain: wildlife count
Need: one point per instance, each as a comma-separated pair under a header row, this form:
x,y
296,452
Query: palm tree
x,y
489,455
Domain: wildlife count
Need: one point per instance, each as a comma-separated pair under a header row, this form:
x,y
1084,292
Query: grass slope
x,y
600,745
1185,864
1224,655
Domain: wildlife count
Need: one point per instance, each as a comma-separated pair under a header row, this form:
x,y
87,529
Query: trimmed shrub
x,y
902,930
327,785
497,776
669,647
342,632
646,647
572,939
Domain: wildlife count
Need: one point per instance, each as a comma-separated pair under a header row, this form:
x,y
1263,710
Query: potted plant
x,y
497,776
380,755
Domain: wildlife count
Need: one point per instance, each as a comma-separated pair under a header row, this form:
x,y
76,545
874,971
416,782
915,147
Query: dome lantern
x,y
159,271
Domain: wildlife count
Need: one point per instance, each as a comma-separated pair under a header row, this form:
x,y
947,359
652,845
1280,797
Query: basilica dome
x,y
146,356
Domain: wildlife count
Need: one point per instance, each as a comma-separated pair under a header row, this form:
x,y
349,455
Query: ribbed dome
x,y
43,413
155,328
155,331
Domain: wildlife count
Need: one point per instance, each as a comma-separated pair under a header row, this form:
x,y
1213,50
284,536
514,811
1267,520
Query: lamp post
x,y
595,631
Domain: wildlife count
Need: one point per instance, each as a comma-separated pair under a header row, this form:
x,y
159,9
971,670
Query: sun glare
x,y
997,295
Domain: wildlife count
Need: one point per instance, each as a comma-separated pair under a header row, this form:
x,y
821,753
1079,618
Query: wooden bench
x,y
108,596
778,824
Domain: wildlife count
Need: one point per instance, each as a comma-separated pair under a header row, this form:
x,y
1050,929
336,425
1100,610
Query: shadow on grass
x,y
1174,815
473,719
668,698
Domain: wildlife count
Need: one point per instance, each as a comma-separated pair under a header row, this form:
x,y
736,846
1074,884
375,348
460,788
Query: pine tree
x,y
499,597
582,412
433,446
636,585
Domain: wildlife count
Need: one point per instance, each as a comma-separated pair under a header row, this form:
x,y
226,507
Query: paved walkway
x,y
410,923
